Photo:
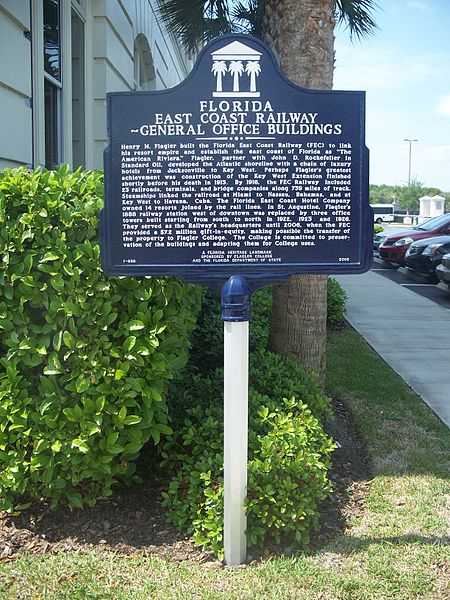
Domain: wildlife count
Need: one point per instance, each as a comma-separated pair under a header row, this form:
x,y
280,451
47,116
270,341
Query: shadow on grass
x,y
349,544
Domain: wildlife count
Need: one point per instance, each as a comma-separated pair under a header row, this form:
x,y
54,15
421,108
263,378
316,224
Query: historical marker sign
x,y
239,176
236,171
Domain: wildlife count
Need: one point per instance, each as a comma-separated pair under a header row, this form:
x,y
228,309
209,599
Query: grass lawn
x,y
396,549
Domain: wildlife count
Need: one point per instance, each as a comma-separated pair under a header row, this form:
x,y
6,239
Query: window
x,y
51,124
144,71
59,82
52,45
52,81
434,223
78,92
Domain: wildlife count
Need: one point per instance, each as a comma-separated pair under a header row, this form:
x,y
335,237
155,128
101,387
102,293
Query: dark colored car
x,y
443,270
394,247
425,255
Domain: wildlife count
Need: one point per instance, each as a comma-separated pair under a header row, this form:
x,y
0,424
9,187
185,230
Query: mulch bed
x,y
132,521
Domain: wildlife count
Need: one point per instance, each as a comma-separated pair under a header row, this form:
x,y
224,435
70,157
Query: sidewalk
x,y
411,333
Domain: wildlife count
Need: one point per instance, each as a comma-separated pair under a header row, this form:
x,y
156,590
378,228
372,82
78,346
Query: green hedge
x,y
85,361
288,463
336,302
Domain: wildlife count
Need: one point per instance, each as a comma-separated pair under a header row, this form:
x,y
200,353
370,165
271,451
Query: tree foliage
x,y
357,15
195,22
406,196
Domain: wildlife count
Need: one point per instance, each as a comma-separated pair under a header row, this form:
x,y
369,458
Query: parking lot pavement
x,y
416,282
409,331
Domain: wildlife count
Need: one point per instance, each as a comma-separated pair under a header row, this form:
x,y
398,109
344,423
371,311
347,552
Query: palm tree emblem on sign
x,y
219,69
236,68
228,67
253,69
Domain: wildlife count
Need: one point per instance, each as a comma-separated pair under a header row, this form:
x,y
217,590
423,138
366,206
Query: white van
x,y
383,213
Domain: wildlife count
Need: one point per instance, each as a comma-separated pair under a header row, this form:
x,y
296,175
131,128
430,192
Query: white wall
x,y
111,28
15,84
115,27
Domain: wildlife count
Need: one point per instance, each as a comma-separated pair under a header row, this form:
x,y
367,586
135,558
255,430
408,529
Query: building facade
x,y
60,58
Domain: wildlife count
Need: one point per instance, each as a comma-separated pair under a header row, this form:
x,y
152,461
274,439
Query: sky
x,y
404,68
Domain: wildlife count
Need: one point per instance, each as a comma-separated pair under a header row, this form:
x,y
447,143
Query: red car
x,y
394,247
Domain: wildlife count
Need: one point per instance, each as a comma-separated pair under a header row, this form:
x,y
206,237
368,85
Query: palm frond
x,y
195,21
247,17
358,16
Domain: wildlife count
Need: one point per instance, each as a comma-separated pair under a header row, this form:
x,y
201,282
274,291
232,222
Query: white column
x,y
66,80
235,444
37,42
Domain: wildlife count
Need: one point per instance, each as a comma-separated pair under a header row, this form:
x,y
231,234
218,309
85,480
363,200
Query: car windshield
x,y
433,223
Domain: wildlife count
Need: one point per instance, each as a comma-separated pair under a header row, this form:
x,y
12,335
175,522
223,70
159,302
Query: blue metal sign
x,y
236,171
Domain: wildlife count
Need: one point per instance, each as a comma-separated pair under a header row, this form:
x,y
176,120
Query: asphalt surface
x,y
407,322
438,293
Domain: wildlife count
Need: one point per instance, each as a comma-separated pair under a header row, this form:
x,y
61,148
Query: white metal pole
x,y
235,442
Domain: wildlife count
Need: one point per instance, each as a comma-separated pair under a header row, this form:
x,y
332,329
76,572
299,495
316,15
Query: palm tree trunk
x,y
301,33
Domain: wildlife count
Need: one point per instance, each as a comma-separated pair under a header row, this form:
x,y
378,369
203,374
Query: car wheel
x,y
379,220
390,265
433,278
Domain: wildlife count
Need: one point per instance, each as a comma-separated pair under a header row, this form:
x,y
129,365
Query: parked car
x,y
425,255
379,238
394,246
443,270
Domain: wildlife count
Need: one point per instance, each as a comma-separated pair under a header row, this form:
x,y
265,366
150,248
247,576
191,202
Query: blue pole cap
x,y
236,303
